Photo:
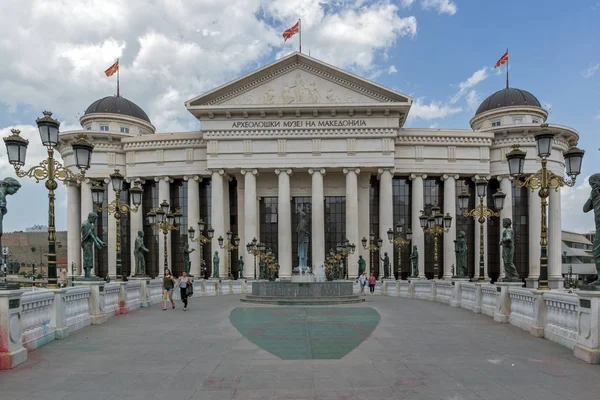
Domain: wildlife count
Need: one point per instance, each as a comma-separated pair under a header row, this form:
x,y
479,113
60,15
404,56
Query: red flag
x,y
291,32
112,69
502,60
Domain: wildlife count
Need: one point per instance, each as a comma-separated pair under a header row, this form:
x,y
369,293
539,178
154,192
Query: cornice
x,y
298,133
175,143
446,140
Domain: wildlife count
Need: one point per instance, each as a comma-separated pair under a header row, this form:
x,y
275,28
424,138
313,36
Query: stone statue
x,y
593,203
414,258
88,241
362,265
216,265
241,268
186,258
508,251
303,236
460,248
386,265
138,252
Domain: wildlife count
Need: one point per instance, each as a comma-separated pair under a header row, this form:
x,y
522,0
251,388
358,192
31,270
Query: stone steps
x,y
302,300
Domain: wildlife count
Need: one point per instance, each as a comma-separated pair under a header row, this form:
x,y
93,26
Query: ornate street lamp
x,y
342,251
436,224
232,244
156,218
372,247
482,213
118,208
397,239
544,180
201,239
50,171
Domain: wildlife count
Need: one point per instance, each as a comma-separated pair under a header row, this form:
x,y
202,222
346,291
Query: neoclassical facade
x,y
299,134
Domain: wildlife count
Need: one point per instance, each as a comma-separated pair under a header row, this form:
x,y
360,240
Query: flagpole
x,y
507,68
300,32
118,93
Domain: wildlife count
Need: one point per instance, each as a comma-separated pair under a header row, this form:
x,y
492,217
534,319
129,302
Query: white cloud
x,y
433,110
477,77
473,100
392,70
597,116
441,6
590,71
406,3
572,200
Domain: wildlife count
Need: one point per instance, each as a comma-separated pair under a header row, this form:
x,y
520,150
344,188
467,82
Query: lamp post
x,y
436,224
118,208
49,170
229,246
201,239
343,249
544,180
399,241
482,213
162,219
255,248
372,247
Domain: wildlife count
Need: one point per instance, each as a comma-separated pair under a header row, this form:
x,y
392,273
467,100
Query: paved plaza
x,y
417,350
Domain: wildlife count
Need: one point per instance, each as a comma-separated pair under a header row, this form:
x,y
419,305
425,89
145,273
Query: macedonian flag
x,y
291,32
112,69
502,60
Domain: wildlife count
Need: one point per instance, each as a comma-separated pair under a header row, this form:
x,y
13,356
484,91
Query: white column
x,y
386,216
164,193
136,225
450,236
555,279
218,220
506,212
418,237
364,181
534,225
74,231
352,218
241,218
112,236
227,218
284,224
250,214
485,244
318,218
193,217
86,207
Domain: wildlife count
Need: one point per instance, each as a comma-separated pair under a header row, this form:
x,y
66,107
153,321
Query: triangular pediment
x,y
298,80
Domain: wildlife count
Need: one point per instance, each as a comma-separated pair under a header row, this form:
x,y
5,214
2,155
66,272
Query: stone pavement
x,y
419,350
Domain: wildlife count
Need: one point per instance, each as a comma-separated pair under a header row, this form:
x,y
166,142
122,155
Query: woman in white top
x,y
182,284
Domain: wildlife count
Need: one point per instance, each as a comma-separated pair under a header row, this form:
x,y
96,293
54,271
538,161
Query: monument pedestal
x,y
12,352
502,312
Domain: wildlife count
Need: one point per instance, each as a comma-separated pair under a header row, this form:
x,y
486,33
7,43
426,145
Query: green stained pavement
x,y
296,333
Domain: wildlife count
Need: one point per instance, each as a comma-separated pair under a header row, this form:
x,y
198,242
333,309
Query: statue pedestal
x,y
12,353
145,281
587,347
502,312
457,281
531,283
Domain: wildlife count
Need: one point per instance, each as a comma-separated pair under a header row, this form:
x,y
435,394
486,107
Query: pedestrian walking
x,y
372,282
167,286
363,282
182,284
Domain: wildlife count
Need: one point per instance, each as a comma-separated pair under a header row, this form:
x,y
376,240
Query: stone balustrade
x,y
561,318
155,292
36,315
71,310
444,291
424,289
489,299
468,297
132,295
110,299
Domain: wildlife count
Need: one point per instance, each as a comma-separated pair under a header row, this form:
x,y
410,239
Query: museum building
x,y
299,135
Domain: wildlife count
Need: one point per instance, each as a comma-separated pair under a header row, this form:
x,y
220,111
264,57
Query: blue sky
x,y
173,52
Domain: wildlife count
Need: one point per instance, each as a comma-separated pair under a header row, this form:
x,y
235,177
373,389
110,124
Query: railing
x,y
155,292
489,299
76,308
561,318
36,317
423,289
109,303
134,295
405,289
444,291
467,296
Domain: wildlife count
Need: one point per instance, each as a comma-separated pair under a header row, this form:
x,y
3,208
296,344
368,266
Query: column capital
x,y
391,170
287,171
447,176
352,169
507,177
135,179
249,171
219,171
71,182
482,176
164,178
412,177
320,170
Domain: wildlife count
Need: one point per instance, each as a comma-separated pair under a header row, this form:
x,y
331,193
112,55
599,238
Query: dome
x,y
506,98
117,105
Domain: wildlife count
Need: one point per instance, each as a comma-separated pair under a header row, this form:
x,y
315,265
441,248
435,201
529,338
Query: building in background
x,y
29,248
37,228
577,254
